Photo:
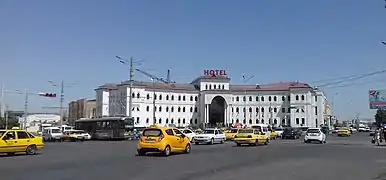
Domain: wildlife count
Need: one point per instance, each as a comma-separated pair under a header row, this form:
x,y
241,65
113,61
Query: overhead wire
x,y
353,78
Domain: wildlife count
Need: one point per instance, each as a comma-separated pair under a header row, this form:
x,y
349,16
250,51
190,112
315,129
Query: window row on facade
x,y
209,86
271,121
167,97
270,98
171,109
270,109
169,121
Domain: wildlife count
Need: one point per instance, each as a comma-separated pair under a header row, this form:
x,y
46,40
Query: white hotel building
x,y
211,100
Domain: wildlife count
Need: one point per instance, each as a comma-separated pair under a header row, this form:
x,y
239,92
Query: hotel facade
x,y
211,100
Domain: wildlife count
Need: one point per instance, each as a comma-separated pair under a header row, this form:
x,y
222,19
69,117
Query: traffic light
x,y
52,95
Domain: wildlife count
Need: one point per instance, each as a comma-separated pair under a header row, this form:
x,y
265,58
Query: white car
x,y
279,131
188,133
210,136
314,134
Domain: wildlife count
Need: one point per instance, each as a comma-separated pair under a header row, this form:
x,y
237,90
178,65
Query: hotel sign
x,y
215,72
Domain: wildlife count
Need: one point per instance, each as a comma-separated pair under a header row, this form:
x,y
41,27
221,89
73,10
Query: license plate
x,y
150,141
313,134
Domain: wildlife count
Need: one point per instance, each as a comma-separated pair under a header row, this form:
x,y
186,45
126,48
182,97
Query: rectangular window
x,y
297,120
303,121
316,110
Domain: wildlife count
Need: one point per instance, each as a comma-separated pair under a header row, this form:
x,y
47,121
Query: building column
x,y
225,115
206,113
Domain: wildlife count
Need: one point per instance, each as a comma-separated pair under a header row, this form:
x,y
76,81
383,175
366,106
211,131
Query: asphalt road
x,y
353,158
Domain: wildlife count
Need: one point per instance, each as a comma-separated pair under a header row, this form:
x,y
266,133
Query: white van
x,y
262,128
52,134
65,128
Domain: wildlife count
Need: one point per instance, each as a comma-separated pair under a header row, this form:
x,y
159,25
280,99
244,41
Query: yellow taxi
x,y
344,132
230,134
251,137
165,140
273,134
15,141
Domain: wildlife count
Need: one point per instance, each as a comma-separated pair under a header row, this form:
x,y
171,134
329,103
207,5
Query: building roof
x,y
281,86
108,86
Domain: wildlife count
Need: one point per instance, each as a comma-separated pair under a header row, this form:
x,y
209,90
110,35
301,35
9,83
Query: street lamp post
x,y
62,86
245,80
130,63
154,97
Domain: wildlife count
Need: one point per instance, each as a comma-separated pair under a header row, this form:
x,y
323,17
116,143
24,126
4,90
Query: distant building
x,y
81,108
14,114
35,120
210,100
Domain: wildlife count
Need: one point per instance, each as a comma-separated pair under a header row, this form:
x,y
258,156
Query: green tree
x,y
12,122
380,117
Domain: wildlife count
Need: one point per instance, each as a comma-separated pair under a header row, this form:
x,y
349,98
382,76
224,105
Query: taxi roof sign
x,y
15,128
153,126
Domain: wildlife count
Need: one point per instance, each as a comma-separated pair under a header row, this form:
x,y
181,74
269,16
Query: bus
x,y
106,128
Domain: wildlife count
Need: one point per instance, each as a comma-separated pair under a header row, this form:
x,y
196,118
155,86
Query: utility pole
x,y
61,102
154,97
25,111
62,86
2,102
131,79
131,88
245,80
6,117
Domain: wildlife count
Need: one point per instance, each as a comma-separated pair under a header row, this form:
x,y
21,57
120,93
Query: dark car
x,y
290,133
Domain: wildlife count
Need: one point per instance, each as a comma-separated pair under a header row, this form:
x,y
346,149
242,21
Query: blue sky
x,y
76,41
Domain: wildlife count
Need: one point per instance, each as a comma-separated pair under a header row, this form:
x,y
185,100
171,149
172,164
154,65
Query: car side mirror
x,y
183,135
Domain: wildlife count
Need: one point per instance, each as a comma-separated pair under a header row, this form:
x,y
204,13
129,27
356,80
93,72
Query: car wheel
x,y
320,142
141,153
266,142
31,150
238,144
211,141
196,143
222,141
188,148
256,142
167,151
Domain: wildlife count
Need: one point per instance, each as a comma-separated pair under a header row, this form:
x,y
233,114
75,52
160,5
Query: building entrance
x,y
217,112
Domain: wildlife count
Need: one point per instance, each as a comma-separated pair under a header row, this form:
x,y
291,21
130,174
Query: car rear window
x,y
246,131
313,131
233,130
152,132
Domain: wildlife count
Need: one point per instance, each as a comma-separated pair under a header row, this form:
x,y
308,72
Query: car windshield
x,y
278,129
152,132
233,131
1,133
55,130
313,131
246,131
208,132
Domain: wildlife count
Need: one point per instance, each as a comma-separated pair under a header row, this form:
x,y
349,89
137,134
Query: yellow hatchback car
x,y
16,141
344,132
165,140
230,134
251,137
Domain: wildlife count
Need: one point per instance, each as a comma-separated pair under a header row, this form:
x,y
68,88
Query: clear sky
x,y
298,40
